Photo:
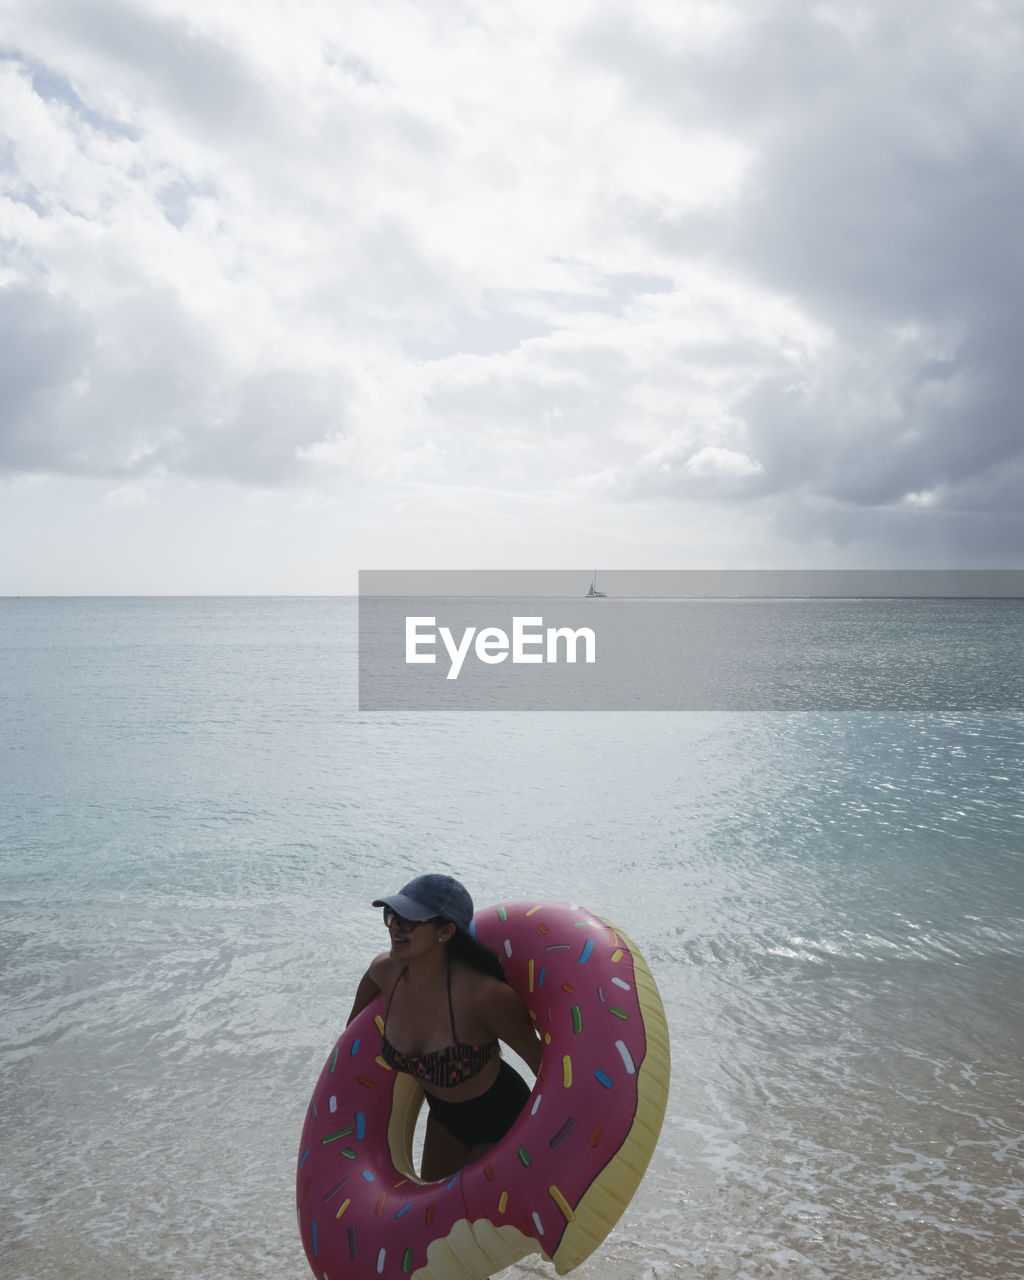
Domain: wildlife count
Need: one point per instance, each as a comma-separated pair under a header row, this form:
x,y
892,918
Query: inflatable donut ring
x,y
560,1178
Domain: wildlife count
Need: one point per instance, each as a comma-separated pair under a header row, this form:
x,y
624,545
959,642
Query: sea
x,y
195,817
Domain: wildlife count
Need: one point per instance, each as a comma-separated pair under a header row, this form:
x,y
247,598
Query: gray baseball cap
x,y
429,896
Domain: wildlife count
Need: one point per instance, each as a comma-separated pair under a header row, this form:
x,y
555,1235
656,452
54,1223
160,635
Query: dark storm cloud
x,y
146,397
884,195
887,162
45,347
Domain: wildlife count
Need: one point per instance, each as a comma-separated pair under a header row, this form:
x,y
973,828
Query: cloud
x,y
880,198
725,463
45,348
662,257
140,392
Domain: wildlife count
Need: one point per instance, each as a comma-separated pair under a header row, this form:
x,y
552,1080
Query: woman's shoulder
x,y
488,1008
384,970
377,980
476,987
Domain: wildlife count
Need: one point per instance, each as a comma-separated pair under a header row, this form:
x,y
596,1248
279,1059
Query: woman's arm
x,y
369,988
508,1019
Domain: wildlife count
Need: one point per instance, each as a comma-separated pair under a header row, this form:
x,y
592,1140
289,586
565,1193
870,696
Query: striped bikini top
x,y
443,1068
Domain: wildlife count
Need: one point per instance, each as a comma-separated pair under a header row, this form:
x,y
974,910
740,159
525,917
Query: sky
x,y
292,288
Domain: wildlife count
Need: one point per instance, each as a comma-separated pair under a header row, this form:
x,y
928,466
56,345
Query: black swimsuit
x,y
488,1118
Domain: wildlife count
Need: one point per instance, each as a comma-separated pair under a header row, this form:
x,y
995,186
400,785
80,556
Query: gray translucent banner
x,y
564,640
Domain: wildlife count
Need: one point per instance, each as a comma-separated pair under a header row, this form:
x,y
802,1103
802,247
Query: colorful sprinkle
x,y
603,1079
616,1012
334,1058
577,1019
503,1202
536,1104
602,995
380,1261
543,928
332,1103
502,914
366,1082
624,985
508,948
348,1153
585,955
626,1056
367,1176
353,1244
617,956
537,1222
382,1062
360,1126
407,1261
489,1172
595,1135
313,1229
404,1209
333,1137
535,909
563,1135
336,1188
569,988
529,974
379,1023
563,1204
302,1161
567,1071
431,1211
543,975
524,1157
558,946
344,1205
379,1206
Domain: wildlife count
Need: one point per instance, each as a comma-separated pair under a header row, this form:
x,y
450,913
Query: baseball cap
x,y
432,895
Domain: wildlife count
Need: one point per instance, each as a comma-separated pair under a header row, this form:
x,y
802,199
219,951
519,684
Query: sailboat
x,y
593,593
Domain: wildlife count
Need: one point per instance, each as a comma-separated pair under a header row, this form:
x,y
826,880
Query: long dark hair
x,y
475,954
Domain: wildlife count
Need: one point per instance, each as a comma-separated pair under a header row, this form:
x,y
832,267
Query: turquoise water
x,y
194,819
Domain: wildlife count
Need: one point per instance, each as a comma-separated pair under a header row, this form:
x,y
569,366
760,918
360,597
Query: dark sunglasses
x,y
406,926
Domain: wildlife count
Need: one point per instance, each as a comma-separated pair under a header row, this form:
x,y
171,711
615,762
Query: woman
x,y
447,1007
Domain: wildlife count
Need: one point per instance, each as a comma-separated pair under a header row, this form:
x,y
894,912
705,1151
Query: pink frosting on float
x,y
360,1217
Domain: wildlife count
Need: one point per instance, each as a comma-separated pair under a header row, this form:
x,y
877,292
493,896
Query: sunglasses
x,y
406,926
